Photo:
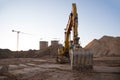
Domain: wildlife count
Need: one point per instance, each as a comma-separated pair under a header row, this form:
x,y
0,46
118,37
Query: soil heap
x,y
105,46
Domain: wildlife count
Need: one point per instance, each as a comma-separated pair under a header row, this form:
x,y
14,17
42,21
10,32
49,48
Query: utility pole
x,y
17,38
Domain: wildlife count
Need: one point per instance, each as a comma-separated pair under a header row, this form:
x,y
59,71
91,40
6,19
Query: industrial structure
x,y
43,45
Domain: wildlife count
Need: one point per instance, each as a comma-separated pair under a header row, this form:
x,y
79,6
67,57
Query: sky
x,y
45,20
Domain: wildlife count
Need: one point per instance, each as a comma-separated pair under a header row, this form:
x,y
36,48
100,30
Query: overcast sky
x,y
46,20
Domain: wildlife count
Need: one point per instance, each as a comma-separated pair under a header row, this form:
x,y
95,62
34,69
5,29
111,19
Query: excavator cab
x,y
72,52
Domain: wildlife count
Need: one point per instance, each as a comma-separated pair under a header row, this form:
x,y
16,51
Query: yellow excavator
x,y
72,52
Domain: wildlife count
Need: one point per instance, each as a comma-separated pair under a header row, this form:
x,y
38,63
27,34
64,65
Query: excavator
x,y
72,52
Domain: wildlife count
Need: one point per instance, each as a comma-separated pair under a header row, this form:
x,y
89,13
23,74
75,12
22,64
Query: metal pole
x,y
18,40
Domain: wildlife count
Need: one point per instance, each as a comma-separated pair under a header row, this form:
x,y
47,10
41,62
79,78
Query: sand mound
x,y
106,46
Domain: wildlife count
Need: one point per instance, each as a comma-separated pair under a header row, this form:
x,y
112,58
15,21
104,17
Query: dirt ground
x,y
47,69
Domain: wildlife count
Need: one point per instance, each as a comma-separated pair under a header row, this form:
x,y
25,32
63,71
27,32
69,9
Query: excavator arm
x,y
72,26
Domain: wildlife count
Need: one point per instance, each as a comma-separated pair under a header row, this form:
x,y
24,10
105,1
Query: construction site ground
x,y
46,68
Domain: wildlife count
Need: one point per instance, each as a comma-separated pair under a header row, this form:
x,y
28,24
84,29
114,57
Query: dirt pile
x,y
6,53
51,51
54,49
106,46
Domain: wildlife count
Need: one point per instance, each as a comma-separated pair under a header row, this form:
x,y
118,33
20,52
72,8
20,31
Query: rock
x,y
4,69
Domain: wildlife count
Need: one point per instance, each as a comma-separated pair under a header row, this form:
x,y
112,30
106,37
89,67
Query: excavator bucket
x,y
81,59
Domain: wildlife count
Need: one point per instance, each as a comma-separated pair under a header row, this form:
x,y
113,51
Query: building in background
x,y
54,42
43,45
